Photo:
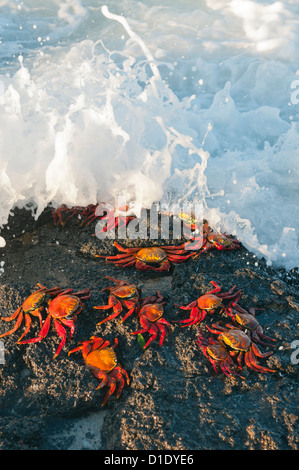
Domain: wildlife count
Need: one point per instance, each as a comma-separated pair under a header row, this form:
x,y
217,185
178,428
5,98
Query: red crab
x,y
90,213
122,295
214,241
33,305
207,303
242,346
101,359
218,355
248,321
150,313
156,258
111,218
71,212
64,309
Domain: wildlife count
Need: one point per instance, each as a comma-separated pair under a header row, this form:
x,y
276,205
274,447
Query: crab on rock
x,y
150,313
214,241
156,258
101,359
33,305
248,322
71,212
64,310
123,294
91,213
207,303
241,345
218,356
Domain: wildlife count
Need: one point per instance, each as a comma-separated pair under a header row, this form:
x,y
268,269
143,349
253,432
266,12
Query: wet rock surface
x,y
175,399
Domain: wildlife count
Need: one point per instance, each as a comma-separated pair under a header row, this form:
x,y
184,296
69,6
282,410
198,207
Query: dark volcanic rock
x,y
175,399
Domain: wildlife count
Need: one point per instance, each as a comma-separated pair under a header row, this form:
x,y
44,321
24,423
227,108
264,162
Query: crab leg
x,y
120,260
84,294
13,316
61,331
147,327
258,352
17,324
125,250
111,390
120,385
164,326
115,314
250,361
179,258
165,265
188,307
120,256
128,314
112,303
153,330
27,325
259,332
42,334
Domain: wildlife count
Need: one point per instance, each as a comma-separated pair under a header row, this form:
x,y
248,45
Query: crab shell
x,y
125,292
247,320
150,257
34,301
217,352
103,359
152,312
236,339
65,306
209,302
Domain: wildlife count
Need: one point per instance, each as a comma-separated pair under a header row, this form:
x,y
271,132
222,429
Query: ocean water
x,y
177,101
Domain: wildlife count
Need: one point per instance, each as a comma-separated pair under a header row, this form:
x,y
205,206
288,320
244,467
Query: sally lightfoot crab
x,y
112,218
32,306
156,258
123,294
207,303
64,310
218,356
248,322
242,347
150,313
210,240
101,360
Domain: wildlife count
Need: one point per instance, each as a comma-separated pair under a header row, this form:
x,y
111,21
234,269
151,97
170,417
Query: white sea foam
x,y
175,103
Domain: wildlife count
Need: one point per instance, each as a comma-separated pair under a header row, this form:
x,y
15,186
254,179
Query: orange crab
x,y
156,258
236,340
113,220
150,313
249,322
64,309
33,305
207,303
122,295
214,241
101,359
218,356
71,212
91,213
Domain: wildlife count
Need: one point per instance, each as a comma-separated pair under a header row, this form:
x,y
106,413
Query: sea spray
x,y
162,103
